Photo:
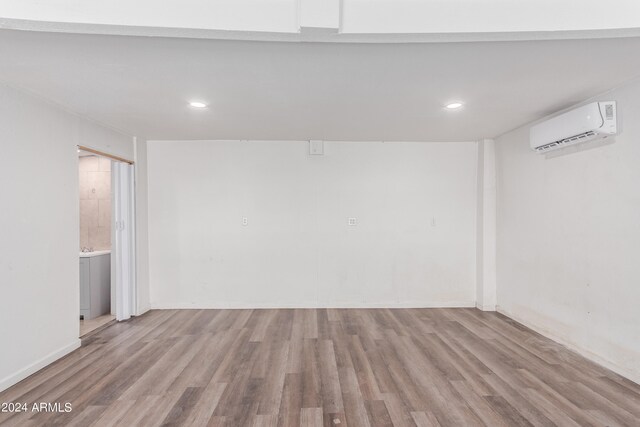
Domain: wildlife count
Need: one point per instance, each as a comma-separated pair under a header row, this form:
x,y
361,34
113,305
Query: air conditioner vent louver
x,y
568,141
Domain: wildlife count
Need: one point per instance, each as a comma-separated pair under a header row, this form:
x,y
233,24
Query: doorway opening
x,y
106,257
96,309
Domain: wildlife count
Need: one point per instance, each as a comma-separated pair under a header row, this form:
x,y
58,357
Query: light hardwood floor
x,y
377,367
87,326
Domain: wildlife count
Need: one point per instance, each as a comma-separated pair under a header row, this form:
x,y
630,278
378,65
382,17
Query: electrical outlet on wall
x,y
245,221
353,222
316,147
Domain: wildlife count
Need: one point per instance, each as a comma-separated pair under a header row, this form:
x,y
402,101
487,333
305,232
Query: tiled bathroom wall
x,y
95,202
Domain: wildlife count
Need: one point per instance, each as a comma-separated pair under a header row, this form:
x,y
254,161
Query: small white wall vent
x,y
587,123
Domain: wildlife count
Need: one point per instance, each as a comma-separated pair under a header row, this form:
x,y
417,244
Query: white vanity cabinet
x,y
95,284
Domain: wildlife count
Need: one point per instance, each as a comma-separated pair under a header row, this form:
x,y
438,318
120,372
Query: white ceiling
x,y
297,91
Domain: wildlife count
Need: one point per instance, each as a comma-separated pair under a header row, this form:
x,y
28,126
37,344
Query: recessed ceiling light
x,y
453,105
198,104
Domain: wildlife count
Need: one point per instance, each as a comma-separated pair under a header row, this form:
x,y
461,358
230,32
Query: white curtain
x,y
124,247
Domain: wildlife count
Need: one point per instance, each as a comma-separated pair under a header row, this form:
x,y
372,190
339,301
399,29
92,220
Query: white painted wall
x,y
142,227
568,240
39,307
319,14
359,16
297,249
486,227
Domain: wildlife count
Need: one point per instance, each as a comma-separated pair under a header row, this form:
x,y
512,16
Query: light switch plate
x,y
353,221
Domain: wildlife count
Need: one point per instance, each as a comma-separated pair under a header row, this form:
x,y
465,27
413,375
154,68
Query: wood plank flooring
x,y
325,367
87,326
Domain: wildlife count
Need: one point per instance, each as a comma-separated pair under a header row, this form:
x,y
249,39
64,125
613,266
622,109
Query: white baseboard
x,y
222,306
7,382
489,307
618,369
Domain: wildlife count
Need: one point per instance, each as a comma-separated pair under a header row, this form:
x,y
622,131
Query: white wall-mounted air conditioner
x,y
593,121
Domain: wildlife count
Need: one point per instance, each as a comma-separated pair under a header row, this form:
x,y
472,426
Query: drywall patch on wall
x,y
413,242
568,236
